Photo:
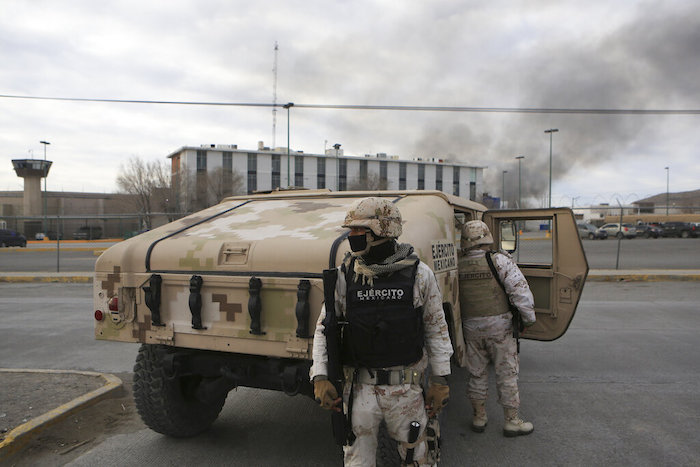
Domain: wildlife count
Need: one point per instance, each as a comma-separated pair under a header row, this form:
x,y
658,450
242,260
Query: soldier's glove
x,y
437,396
325,394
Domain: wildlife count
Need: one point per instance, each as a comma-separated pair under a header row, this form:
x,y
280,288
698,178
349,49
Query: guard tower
x,y
32,171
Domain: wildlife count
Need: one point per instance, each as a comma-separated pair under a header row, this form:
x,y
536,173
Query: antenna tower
x,y
274,98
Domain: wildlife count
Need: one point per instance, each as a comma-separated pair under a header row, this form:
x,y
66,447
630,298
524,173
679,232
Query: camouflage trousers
x,y
398,405
501,350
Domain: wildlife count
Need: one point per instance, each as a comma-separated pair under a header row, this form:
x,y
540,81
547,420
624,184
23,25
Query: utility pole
x,y
550,131
288,106
520,192
274,98
667,194
43,227
336,146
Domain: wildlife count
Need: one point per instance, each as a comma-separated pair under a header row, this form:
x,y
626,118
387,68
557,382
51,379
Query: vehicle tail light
x,y
113,304
99,316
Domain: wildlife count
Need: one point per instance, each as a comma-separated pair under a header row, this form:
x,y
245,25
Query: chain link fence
x,y
87,227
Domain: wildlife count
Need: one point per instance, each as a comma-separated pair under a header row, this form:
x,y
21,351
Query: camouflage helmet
x,y
379,215
475,233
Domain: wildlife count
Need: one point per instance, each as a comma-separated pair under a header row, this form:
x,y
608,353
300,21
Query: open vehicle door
x,y
546,245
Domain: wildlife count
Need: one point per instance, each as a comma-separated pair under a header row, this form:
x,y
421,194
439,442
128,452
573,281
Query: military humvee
x,y
229,296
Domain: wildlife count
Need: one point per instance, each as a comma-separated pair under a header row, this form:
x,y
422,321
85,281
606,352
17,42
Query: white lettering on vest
x,y
380,294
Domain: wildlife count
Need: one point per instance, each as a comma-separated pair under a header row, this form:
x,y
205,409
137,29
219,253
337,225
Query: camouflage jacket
x,y
517,289
426,293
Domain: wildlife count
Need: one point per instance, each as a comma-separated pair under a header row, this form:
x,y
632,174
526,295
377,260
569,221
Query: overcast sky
x,y
529,54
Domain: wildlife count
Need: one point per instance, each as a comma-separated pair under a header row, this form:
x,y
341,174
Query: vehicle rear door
x,y
546,245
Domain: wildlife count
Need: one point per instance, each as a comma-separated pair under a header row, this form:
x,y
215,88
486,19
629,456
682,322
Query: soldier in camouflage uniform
x,y
396,326
488,327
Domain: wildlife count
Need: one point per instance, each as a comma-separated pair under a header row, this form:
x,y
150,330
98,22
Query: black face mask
x,y
358,242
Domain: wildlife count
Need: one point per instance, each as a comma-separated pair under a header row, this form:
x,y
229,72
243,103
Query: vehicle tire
x,y
685,234
591,236
166,404
24,244
619,235
387,449
647,235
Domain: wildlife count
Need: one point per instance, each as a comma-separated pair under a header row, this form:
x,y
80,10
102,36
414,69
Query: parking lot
x,y
619,388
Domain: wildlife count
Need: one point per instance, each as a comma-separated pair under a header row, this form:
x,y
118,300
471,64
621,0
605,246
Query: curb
x,y
18,437
53,248
48,277
643,277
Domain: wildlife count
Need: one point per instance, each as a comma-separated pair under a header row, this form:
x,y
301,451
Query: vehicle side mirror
x,y
508,237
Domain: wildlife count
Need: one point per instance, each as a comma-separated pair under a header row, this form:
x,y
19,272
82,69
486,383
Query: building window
x,y
201,161
252,172
227,162
227,178
321,172
455,181
421,177
299,171
383,178
276,165
438,177
472,191
402,175
363,171
343,175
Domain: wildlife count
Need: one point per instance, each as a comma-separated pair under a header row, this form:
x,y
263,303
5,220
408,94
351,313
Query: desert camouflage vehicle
x,y
229,296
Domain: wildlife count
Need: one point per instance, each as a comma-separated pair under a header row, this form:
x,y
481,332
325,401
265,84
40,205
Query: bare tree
x,y
200,189
149,184
373,182
222,183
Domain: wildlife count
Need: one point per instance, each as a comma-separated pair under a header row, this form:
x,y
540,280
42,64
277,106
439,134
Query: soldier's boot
x,y
514,425
479,420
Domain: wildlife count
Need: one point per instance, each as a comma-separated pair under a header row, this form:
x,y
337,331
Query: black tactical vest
x,y
384,329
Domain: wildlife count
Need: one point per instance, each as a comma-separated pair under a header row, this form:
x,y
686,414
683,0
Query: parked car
x,y
591,232
53,235
613,229
648,231
88,232
11,238
680,229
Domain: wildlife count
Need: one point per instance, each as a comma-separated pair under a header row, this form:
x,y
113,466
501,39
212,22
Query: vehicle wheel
x,y
647,235
387,449
24,245
591,236
168,405
619,235
685,234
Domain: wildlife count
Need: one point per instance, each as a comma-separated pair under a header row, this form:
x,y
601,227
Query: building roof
x,y
683,198
283,152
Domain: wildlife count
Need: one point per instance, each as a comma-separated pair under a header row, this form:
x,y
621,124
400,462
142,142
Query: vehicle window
x,y
532,242
508,236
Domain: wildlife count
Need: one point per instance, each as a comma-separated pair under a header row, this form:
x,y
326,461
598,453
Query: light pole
x,y
667,200
43,227
503,193
288,106
520,193
336,146
550,131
